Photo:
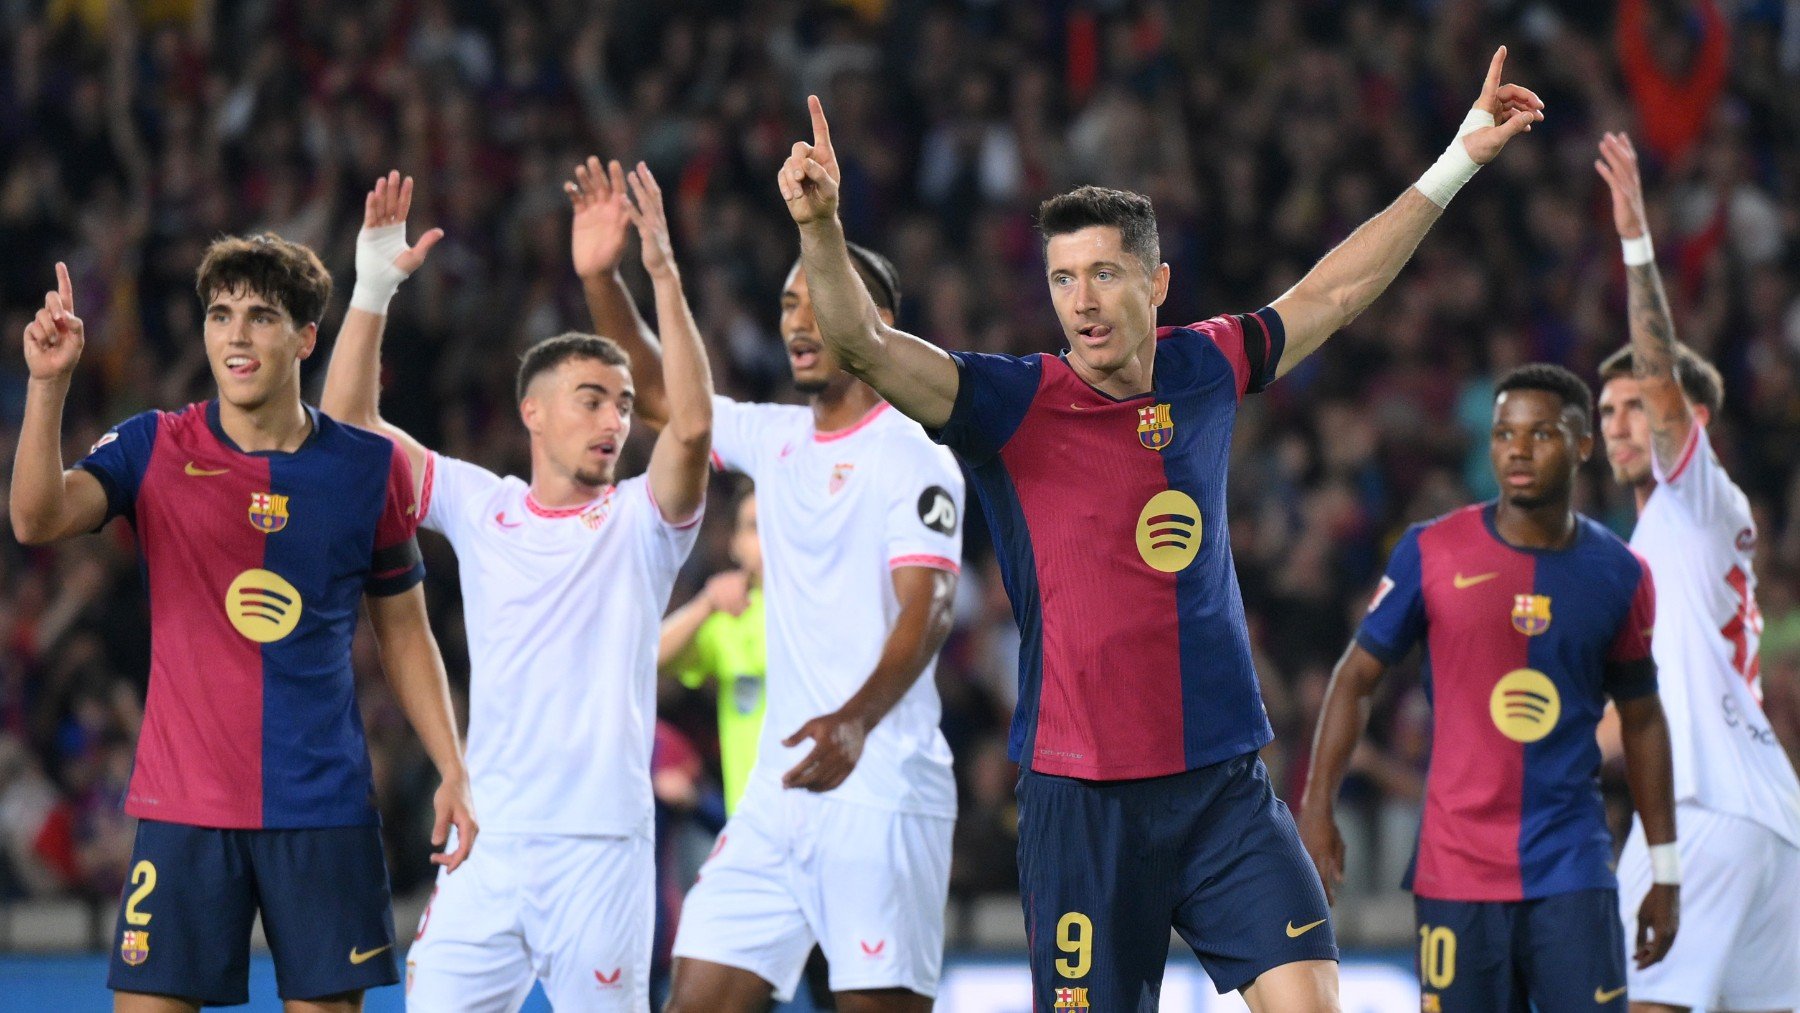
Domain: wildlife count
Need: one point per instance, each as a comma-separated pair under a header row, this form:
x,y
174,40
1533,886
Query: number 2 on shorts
x,y
1075,934
143,875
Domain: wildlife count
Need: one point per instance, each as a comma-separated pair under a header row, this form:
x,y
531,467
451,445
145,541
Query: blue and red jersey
x,y
1522,648
256,565
1108,518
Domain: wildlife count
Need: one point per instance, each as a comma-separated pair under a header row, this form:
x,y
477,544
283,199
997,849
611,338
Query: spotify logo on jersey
x,y
263,606
1168,531
1525,705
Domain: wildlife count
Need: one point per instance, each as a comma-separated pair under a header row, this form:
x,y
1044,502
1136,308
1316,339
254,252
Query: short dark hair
x,y
288,274
1556,380
553,352
1700,380
878,275
1087,206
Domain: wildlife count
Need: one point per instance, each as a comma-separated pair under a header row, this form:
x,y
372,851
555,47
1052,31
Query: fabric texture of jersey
x,y
732,652
564,612
1523,646
256,566
1698,534
837,513
1108,520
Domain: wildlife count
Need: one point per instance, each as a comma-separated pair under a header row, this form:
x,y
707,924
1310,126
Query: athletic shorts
x,y
1738,947
793,868
194,892
573,912
1563,952
1107,868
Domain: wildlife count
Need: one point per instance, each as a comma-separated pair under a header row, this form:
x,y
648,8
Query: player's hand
x,y
453,805
382,257
1618,165
729,592
1514,108
809,178
652,223
55,336
837,745
1659,918
1319,833
602,216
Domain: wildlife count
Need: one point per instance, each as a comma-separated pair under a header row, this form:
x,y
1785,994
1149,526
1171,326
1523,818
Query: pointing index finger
x,y
821,129
64,287
1493,75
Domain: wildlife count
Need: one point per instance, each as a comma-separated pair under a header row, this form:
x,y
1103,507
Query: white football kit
x,y
1738,800
563,609
863,869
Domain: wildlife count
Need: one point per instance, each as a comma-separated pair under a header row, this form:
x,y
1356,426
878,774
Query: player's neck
x,y
278,424
1641,492
1132,378
841,409
1551,526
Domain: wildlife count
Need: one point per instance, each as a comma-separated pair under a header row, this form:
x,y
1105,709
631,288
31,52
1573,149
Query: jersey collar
x,y
218,431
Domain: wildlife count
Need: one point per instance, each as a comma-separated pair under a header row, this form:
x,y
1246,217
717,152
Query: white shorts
x,y
577,913
1738,947
792,867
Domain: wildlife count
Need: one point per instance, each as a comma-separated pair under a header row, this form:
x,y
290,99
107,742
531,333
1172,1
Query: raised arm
x,y
679,462
1351,276
597,246
383,260
1341,722
1650,773
1653,346
915,375
47,501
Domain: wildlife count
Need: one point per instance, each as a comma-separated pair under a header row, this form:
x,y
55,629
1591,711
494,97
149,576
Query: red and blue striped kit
x,y
1522,648
1108,519
256,565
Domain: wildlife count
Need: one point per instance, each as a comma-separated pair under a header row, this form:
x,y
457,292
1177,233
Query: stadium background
x,y
132,133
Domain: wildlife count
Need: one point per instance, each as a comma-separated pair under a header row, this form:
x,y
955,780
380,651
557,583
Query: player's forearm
x,y
353,377
1653,360
1649,766
415,671
686,375
36,500
682,625
919,632
616,316
1341,722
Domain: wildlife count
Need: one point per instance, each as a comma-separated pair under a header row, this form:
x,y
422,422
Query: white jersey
x,y
563,609
1697,533
837,512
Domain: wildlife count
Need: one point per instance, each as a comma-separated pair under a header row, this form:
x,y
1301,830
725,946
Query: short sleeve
x,y
119,460
993,393
1396,617
734,436
1251,342
925,508
666,542
449,488
396,566
1699,482
1630,668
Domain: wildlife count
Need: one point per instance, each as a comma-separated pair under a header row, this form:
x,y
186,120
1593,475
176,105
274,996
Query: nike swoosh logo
x,y
500,518
1296,933
359,957
199,472
1077,407
1606,997
1461,581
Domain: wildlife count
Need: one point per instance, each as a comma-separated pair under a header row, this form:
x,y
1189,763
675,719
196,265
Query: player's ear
x,y
1702,414
309,340
1159,284
1585,446
528,413
886,315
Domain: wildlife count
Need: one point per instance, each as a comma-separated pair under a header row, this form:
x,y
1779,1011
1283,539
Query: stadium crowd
x,y
131,133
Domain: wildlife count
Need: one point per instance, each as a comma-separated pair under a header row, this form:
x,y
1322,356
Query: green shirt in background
x,y
730,650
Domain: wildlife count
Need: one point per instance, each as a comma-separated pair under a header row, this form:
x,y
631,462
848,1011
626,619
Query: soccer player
x,y
846,843
719,636
263,525
564,580
1737,798
1102,476
1531,615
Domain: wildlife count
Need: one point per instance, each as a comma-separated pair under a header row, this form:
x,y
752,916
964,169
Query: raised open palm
x,y
602,216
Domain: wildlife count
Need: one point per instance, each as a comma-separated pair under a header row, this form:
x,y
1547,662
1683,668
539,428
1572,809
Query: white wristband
x,y
1638,252
1454,167
377,279
1665,864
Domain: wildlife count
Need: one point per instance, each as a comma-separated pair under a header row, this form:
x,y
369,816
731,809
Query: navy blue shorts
x,y
1565,951
1106,869
185,917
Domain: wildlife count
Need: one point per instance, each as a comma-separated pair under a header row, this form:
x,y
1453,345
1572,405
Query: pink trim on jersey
x,y
1687,452
838,434
718,463
699,511
553,513
923,559
430,483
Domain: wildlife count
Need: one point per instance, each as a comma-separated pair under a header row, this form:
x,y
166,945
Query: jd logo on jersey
x,y
937,510
134,946
1525,705
1531,613
268,512
1168,531
1155,426
263,606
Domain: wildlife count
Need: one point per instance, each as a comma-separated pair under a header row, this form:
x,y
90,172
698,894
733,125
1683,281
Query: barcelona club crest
x,y
268,512
1155,427
1071,998
1531,613
134,946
